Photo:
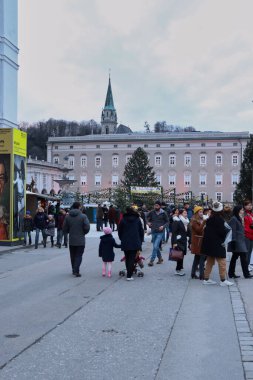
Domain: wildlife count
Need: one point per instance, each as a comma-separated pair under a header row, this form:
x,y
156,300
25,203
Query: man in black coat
x,y
77,225
131,234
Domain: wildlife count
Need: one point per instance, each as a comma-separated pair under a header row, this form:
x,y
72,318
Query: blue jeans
x,y
27,235
37,231
156,240
60,235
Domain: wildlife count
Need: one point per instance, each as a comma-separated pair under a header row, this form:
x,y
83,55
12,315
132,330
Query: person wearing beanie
x,y
180,233
197,225
106,245
27,227
157,220
213,245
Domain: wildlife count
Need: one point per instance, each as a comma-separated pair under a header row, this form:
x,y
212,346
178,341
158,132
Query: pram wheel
x,y
140,274
121,273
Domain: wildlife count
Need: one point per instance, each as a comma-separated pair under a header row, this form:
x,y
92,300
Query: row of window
x,y
171,179
158,160
148,146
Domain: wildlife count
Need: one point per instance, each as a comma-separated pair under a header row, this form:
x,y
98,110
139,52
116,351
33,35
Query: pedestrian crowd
x,y
208,233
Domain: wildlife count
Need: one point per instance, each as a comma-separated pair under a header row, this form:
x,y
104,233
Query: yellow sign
x,y
12,184
19,142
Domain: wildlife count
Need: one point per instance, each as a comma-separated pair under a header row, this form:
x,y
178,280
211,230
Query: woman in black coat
x,y
213,245
131,234
238,245
180,231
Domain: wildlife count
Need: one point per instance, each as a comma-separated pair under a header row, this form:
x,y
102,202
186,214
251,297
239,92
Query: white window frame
x,y
172,179
158,160
83,161
159,179
202,179
233,181
71,162
218,159
204,157
187,180
187,160
83,180
235,159
218,179
115,161
115,180
98,179
218,196
98,161
128,156
172,160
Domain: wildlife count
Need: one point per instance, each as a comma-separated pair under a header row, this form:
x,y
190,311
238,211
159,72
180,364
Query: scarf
x,y
185,221
175,218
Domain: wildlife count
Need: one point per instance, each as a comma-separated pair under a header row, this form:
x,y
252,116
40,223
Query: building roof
x,y
123,129
152,137
109,105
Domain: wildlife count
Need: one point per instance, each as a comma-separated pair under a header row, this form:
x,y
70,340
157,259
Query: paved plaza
x,y
162,326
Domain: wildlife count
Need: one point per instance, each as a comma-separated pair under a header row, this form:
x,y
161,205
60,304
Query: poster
x,y
12,184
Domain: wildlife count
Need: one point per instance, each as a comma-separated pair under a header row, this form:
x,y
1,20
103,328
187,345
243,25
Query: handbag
x,y
175,254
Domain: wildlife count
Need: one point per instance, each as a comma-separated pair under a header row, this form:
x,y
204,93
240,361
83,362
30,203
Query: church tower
x,y
109,114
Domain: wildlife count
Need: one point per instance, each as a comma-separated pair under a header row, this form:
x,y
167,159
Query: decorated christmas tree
x,y
138,172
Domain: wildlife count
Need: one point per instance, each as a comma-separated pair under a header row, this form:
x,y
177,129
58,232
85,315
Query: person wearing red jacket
x,y
248,229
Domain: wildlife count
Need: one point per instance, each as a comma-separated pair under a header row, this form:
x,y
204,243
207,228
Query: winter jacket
x,y
99,213
112,214
248,222
214,236
158,220
77,225
178,228
27,223
197,232
39,220
106,245
50,227
60,221
130,232
238,239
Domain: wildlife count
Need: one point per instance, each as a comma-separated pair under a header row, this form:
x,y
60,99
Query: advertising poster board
x,y
12,184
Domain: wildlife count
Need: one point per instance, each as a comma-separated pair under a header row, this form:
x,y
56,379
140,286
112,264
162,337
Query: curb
x,y
244,332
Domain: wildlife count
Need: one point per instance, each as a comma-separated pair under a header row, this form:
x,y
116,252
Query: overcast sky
x,y
189,62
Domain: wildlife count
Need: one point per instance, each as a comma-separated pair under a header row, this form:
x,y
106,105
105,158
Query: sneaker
x,y
130,279
208,282
180,272
250,268
226,283
160,260
77,274
151,263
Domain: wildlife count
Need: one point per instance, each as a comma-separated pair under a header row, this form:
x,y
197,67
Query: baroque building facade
x,y
204,163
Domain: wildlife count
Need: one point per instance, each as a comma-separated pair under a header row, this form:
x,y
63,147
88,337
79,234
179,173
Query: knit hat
x,y
217,206
197,209
28,212
107,230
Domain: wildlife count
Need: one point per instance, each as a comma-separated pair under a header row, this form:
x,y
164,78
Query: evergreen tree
x,y
138,172
244,187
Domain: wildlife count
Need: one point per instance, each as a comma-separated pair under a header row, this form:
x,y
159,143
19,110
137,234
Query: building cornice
x,y
149,137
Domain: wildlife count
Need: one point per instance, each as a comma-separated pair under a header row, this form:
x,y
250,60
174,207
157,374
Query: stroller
x,y
137,264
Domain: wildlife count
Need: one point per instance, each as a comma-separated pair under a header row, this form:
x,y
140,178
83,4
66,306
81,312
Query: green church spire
x,y
109,105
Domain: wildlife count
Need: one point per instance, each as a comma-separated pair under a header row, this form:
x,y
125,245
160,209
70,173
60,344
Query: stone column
x,y
8,63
